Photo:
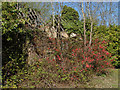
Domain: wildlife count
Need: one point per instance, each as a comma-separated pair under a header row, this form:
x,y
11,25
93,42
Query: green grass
x,y
109,81
35,77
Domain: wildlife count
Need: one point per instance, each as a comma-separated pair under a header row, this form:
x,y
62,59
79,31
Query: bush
x,y
71,63
77,64
14,38
111,35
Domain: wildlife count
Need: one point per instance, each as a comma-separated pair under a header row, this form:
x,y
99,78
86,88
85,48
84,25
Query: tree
x,y
84,26
91,25
53,16
14,37
70,19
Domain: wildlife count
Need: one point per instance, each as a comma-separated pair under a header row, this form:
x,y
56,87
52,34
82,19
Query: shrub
x,y
14,38
111,35
78,64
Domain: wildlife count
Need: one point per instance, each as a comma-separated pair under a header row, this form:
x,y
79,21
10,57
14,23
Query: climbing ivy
x,y
14,37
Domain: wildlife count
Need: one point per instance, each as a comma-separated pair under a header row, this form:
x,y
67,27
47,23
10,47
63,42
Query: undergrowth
x,y
78,66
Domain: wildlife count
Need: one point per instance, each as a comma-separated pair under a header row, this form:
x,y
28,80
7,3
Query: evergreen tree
x,y
70,20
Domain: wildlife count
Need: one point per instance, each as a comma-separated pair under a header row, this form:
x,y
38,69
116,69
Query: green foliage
x,y
10,20
110,34
14,37
71,23
74,63
69,14
70,19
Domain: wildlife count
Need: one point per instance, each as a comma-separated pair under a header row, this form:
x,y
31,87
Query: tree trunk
x,y
84,27
53,17
91,25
